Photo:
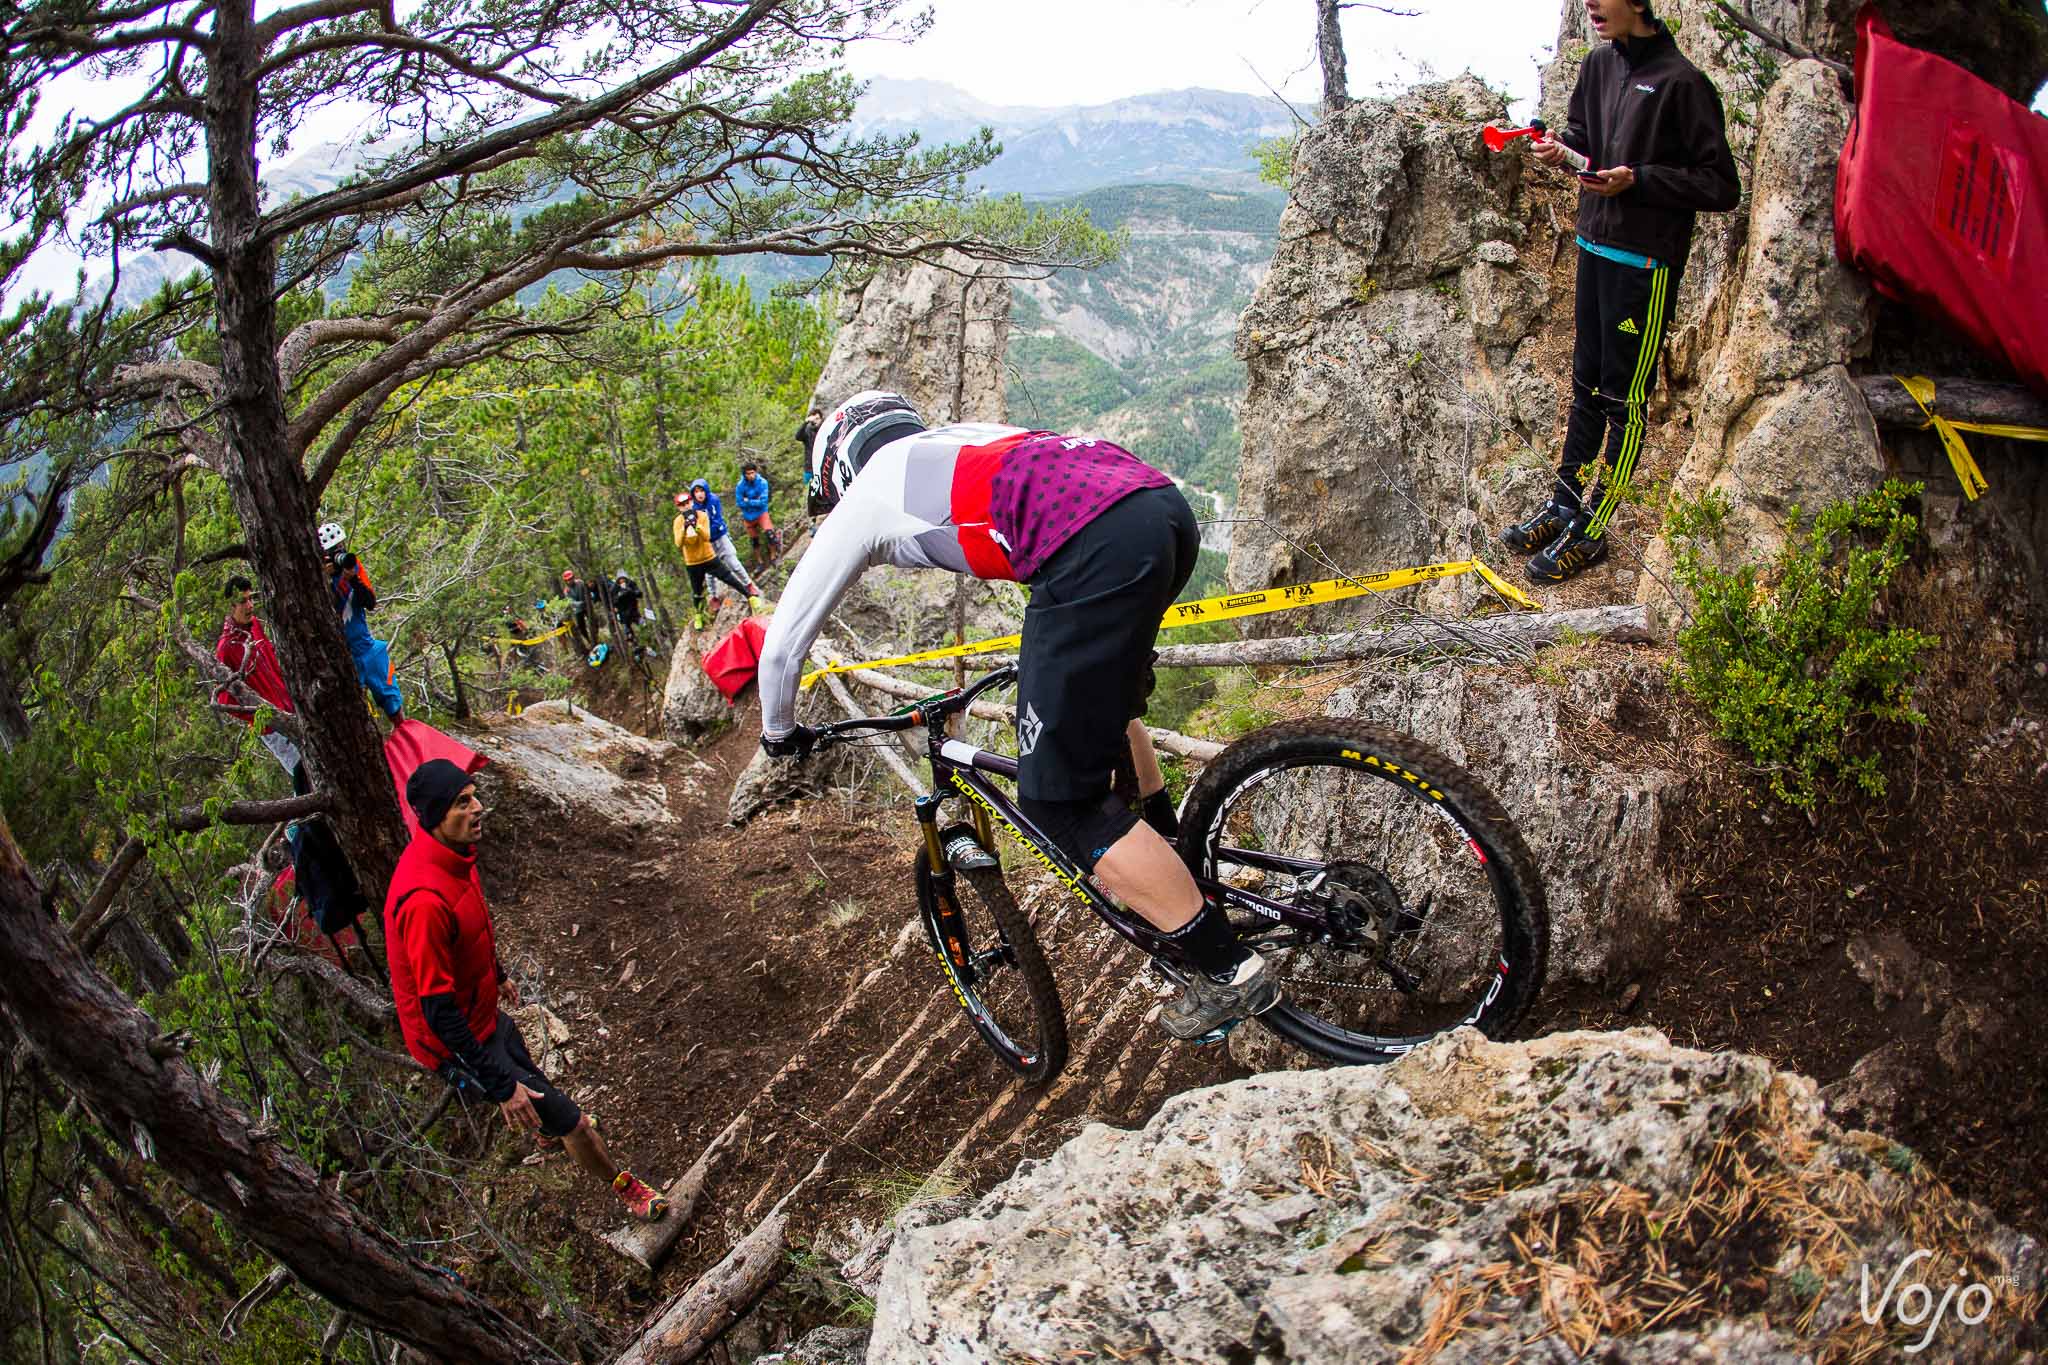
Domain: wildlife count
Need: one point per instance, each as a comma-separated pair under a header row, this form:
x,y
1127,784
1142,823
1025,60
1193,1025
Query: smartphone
x,y
1590,177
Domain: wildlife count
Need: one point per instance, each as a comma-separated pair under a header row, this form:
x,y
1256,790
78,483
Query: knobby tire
x,y
1414,770
988,911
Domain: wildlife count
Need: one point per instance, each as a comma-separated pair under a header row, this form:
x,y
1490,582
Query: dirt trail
x,y
775,973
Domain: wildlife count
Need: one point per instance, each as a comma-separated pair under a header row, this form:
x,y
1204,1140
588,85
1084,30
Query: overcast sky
x,y
1056,52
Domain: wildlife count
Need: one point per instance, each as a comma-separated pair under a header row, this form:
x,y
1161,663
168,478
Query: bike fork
x,y
936,888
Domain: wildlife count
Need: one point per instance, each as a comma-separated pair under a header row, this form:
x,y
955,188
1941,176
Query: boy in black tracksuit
x,y
1650,125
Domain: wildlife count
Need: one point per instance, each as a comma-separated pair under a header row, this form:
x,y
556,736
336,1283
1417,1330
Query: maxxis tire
x,y
1512,869
992,898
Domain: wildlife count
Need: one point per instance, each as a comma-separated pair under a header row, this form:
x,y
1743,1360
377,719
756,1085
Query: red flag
x,y
733,662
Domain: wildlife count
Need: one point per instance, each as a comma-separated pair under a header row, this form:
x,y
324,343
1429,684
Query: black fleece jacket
x,y
1642,105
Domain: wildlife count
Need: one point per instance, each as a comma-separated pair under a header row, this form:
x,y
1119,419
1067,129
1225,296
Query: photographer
x,y
348,587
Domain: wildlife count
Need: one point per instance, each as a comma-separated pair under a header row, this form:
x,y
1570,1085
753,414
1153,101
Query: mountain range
x,y
1139,350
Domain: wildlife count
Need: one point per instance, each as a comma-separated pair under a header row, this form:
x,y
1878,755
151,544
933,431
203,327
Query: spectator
x,y
446,979
807,433
1648,117
626,606
581,601
244,647
354,598
693,537
751,496
707,502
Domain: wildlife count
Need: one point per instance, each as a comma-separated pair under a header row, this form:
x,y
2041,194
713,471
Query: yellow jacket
x,y
694,539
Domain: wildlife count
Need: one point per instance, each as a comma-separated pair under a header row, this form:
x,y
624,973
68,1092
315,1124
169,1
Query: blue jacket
x,y
712,505
751,496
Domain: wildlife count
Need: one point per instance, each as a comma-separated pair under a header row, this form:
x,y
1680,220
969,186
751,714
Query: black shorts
x,y
1085,667
558,1113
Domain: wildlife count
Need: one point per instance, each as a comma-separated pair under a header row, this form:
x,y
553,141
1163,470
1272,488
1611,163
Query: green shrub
x,y
1798,668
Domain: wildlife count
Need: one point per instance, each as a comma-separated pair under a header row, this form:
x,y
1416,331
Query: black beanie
x,y
432,789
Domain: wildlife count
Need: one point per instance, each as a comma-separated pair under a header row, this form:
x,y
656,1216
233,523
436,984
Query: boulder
x,y
1378,346
1595,1195
935,333
571,758
766,781
1594,826
1779,424
692,707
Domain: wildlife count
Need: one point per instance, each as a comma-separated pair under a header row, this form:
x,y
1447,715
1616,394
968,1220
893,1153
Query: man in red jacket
x,y
244,647
446,980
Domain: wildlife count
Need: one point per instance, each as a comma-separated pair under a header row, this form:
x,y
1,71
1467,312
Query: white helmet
x,y
855,430
331,536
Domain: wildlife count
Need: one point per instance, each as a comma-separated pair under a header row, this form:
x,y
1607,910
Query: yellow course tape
x,y
1967,473
1230,606
508,640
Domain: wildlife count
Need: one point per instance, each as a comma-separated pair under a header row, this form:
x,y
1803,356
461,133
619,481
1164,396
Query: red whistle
x,y
1497,139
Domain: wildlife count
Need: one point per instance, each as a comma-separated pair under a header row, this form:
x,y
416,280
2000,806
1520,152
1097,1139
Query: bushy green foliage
x,y
1795,663
1276,160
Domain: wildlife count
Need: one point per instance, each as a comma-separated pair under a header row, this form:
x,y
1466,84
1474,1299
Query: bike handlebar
x,y
942,705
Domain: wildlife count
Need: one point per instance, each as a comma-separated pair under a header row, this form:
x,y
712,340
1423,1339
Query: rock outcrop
x,y
569,757
1778,424
933,332
1379,347
1605,1196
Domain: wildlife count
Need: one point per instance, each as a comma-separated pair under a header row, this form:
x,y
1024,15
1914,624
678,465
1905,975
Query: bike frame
x,y
962,769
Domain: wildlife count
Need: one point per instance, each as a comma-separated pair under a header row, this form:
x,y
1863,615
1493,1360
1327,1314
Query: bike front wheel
x,y
1428,907
991,958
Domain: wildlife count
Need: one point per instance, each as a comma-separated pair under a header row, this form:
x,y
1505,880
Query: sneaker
x,y
756,603
1537,531
1206,1005
697,619
1571,553
641,1202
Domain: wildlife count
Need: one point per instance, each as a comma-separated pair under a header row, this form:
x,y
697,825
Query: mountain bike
x,y
1386,887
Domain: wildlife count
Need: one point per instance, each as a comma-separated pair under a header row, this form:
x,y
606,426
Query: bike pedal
x,y
1215,1035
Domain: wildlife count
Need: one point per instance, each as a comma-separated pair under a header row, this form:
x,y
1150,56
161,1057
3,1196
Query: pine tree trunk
x,y
111,1056
269,488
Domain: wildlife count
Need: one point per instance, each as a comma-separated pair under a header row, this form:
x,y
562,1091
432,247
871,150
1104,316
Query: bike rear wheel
x,y
1432,907
998,973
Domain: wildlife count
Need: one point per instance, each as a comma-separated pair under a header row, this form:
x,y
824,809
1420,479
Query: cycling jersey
x,y
974,498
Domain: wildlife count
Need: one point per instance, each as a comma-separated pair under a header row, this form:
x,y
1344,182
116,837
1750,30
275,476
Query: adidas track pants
x,y
1621,313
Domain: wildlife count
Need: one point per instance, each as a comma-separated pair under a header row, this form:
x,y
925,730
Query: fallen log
x,y
1172,741
705,1311
373,1005
1959,400
648,1243
1517,632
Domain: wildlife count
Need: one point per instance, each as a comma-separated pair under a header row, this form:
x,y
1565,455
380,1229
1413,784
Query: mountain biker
x,y
1105,542
1647,116
751,495
693,537
706,505
244,647
447,980
349,589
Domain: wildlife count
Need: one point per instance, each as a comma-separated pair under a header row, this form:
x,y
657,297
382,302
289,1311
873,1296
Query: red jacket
x,y
264,677
437,931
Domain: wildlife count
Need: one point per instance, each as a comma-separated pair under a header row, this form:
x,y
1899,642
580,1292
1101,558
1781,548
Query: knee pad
x,y
1084,830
